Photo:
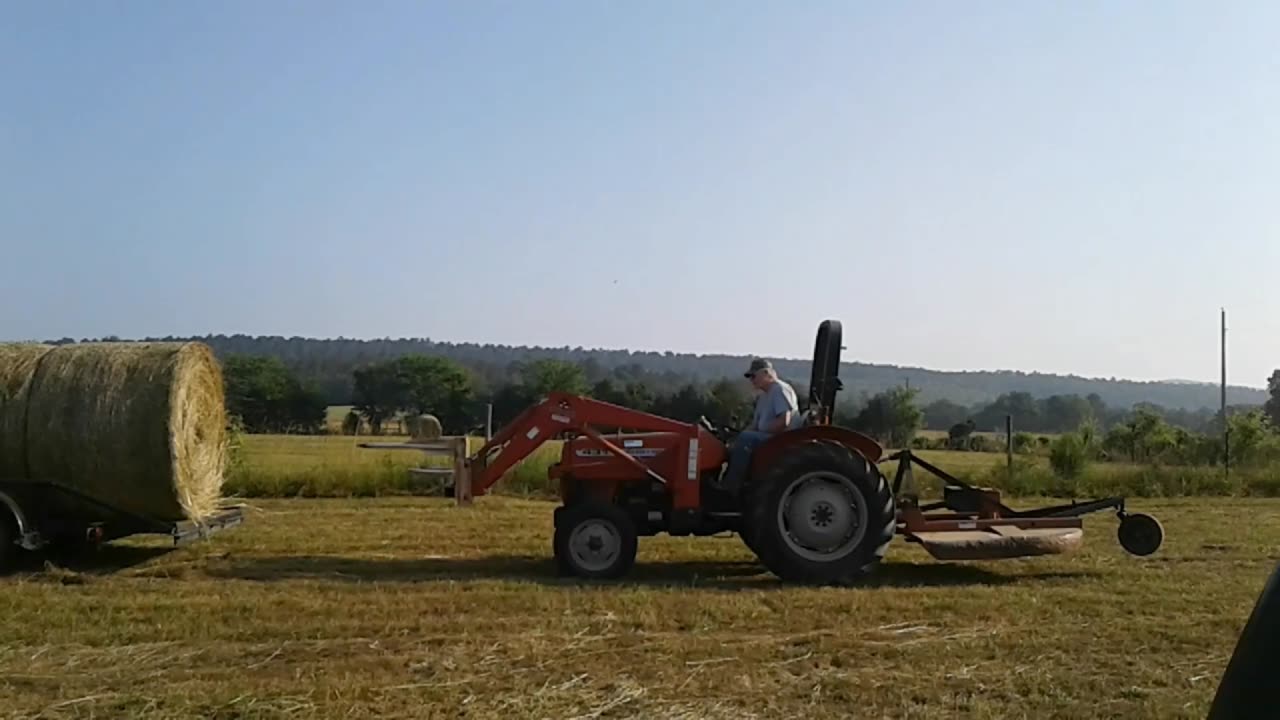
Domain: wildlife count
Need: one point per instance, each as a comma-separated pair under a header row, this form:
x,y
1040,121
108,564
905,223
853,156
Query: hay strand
x,y
138,426
17,366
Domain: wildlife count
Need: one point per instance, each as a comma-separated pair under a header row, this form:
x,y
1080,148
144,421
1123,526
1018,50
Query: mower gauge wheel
x,y
1140,534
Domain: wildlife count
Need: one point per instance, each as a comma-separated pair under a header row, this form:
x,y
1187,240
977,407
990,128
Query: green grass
x,y
410,607
334,466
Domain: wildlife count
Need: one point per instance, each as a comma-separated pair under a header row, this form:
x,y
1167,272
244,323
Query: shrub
x,y
1068,456
1023,443
982,443
351,423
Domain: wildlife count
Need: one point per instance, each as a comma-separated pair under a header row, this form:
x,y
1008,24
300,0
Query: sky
x,y
1060,187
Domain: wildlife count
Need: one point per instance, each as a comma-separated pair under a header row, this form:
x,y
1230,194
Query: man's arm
x,y
779,422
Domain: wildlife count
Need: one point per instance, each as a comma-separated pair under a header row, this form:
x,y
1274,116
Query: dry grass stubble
x,y
410,607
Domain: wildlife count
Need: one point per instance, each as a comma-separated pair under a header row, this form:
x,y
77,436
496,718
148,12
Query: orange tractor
x,y
815,507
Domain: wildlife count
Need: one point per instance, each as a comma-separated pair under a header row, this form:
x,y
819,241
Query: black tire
x,y
594,541
838,495
1140,534
746,540
8,542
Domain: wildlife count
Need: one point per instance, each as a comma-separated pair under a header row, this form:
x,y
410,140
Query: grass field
x,y
333,466
327,465
409,607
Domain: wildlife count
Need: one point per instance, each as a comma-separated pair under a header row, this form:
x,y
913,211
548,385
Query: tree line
x,y
328,366
266,395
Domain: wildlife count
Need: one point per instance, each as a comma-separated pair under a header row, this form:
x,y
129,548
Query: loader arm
x,y
560,412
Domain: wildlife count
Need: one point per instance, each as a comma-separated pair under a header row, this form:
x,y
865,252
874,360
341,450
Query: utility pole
x,y
1226,433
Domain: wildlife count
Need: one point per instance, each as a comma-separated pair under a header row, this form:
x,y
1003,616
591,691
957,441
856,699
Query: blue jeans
x,y
740,457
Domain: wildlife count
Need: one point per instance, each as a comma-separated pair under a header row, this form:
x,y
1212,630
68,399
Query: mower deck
x,y
971,523
998,542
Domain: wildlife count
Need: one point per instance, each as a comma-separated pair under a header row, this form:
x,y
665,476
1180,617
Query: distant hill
x,y
329,362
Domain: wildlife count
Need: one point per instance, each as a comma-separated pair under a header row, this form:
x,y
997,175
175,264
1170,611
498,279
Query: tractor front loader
x,y
815,508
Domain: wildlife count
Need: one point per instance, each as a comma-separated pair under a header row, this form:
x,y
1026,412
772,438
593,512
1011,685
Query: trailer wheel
x,y
8,541
595,540
822,514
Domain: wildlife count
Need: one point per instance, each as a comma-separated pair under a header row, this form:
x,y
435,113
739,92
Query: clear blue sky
x,y
1068,187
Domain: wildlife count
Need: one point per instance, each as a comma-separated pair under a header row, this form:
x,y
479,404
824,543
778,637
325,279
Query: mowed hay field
x,y
335,466
412,607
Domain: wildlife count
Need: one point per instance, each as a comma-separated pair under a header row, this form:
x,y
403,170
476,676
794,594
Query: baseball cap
x,y
757,365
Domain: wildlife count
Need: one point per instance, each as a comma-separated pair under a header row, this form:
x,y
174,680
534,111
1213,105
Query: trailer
x,y
40,515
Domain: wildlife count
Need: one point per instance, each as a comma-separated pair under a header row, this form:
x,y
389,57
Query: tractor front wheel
x,y
595,541
822,514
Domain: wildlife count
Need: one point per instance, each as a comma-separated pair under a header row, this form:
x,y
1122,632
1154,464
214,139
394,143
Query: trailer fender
x,y
28,538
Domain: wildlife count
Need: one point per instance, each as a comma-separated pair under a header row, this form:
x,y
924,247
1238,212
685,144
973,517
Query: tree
x,y
509,402
542,377
379,394
639,397
730,403
1272,405
268,397
607,391
943,414
891,416
1252,437
1144,437
687,404
437,386
1061,413
1024,409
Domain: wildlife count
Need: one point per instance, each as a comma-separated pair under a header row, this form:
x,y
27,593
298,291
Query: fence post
x,y
1008,440
461,473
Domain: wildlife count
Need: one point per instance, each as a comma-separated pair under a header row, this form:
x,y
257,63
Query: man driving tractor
x,y
776,409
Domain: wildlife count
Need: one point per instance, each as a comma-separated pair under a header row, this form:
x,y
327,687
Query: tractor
x,y
815,508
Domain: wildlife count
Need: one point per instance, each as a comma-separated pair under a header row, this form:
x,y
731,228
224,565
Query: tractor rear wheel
x,y
594,540
822,514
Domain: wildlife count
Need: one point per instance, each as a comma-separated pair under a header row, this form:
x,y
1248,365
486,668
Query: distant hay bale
x,y
424,427
141,427
17,366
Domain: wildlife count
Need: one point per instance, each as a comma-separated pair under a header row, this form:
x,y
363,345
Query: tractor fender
x,y
862,444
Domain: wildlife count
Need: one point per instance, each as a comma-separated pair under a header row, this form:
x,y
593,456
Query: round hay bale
x,y
17,366
425,427
141,427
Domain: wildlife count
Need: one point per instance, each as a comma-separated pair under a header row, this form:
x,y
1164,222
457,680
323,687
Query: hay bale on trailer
x,y
140,427
17,366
